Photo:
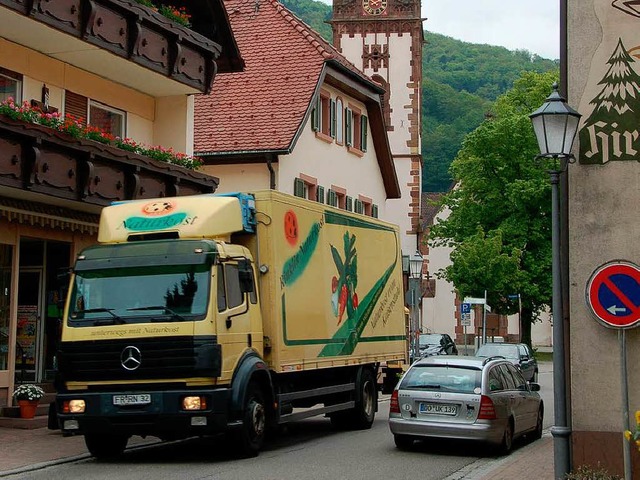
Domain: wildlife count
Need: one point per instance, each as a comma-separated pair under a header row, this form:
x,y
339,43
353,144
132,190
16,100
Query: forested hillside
x,y
460,82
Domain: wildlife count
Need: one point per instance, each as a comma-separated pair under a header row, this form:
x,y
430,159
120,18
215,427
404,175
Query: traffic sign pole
x,y
612,294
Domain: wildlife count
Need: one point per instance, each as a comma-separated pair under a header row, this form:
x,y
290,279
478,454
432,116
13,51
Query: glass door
x,y
6,255
29,329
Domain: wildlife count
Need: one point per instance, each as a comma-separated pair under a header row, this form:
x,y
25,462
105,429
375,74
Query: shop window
x,y
10,86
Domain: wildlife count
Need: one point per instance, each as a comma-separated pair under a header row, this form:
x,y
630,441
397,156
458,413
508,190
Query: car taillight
x,y
394,405
487,409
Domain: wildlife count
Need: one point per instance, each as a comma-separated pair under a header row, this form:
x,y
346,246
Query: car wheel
x,y
105,447
403,442
507,439
537,433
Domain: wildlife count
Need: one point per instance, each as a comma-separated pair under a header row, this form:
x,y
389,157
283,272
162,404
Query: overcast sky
x,y
532,25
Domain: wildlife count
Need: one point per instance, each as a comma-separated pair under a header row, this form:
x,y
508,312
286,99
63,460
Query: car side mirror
x,y
535,387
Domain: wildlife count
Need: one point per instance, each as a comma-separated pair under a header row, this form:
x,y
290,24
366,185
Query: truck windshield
x,y
172,293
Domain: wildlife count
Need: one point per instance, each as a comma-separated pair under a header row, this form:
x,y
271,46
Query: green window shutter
x,y
363,133
332,119
298,187
315,116
332,198
320,194
348,117
374,210
359,207
348,203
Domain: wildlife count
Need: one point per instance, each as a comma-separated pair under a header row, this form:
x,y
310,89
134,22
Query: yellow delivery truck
x,y
227,313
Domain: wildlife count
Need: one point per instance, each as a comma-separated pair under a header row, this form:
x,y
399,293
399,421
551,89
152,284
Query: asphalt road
x,y
306,450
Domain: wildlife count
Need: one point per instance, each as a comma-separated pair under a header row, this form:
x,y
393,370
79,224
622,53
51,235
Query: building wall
x,y
239,178
151,121
603,62
333,164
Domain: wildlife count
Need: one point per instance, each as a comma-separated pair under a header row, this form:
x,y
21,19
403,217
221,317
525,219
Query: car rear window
x,y
507,351
443,378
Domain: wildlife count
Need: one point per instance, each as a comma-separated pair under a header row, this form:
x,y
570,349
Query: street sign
x,y
613,294
475,301
466,321
465,316
465,308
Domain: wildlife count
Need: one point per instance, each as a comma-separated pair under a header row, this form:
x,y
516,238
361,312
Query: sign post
x,y
465,321
486,307
612,294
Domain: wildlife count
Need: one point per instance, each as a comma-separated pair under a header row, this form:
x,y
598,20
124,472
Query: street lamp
x,y
415,279
555,125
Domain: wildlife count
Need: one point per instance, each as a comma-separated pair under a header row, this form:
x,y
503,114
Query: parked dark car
x,y
517,353
465,398
436,344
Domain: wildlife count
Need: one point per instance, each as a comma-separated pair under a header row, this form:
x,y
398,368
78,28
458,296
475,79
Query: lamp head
x,y
555,124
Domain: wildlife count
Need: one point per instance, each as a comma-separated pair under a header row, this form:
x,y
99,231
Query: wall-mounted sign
x,y
613,294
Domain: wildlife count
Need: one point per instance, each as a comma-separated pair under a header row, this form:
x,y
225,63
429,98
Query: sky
x,y
532,25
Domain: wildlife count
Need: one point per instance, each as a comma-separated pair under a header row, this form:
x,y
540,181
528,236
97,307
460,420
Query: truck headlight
x,y
74,406
194,403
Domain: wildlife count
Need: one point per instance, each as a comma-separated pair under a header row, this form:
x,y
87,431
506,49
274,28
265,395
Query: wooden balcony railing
x,y
141,35
43,160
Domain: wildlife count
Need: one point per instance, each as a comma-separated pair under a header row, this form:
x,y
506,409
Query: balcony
x,y
41,160
126,42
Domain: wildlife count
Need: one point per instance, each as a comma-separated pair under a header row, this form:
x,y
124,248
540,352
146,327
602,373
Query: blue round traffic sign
x,y
613,293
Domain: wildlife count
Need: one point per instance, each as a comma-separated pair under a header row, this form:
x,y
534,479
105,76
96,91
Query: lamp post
x,y
415,276
555,125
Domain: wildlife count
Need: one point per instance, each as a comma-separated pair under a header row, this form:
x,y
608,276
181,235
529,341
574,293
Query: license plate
x,y
438,409
141,399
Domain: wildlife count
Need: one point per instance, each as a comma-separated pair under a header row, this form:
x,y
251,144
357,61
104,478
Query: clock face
x,y
374,7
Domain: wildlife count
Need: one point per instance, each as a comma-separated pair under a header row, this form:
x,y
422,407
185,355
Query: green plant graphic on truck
x,y
343,287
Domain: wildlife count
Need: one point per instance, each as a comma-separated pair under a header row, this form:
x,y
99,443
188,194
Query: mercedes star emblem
x,y
131,358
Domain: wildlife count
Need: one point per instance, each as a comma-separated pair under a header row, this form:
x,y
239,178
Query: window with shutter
x,y
349,203
332,198
359,207
363,133
374,210
320,194
76,105
107,119
332,116
298,187
348,120
315,116
339,122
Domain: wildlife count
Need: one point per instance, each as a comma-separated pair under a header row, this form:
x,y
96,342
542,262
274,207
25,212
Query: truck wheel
x,y
105,447
365,409
250,437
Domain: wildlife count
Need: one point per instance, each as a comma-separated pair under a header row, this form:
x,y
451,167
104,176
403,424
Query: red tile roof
x,y
264,106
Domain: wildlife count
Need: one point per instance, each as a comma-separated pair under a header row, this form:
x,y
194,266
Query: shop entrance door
x,y
30,325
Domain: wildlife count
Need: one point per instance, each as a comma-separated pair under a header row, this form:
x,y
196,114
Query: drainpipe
x,y
272,173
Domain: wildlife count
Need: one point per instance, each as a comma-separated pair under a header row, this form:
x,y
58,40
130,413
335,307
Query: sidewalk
x,y
25,450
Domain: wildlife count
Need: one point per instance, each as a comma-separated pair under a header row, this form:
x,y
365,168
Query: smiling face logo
x,y
158,208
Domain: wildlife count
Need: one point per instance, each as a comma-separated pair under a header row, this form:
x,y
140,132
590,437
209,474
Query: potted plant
x,y
28,397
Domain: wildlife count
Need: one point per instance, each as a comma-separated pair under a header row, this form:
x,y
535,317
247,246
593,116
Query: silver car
x,y
465,398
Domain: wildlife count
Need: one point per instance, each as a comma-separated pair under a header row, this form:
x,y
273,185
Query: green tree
x,y
500,221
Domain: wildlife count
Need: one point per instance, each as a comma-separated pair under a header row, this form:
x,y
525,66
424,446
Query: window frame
x,y
18,79
112,110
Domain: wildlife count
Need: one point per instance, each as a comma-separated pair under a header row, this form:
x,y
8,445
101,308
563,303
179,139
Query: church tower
x,y
384,39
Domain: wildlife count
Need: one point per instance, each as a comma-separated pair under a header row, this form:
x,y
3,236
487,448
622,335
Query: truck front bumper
x,y
162,417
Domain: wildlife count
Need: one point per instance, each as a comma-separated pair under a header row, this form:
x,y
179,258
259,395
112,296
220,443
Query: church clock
x,y
374,7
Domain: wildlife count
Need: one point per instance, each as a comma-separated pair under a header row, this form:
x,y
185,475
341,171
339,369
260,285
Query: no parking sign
x,y
613,293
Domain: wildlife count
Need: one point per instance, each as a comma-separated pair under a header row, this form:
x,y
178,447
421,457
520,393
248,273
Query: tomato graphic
x,y
334,284
355,300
